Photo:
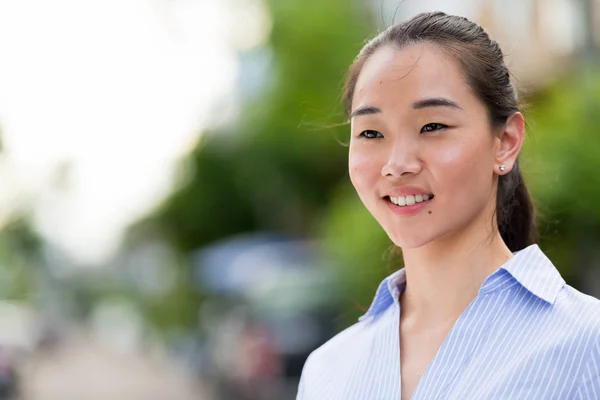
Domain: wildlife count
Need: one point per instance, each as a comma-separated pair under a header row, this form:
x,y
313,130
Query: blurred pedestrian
x,y
260,361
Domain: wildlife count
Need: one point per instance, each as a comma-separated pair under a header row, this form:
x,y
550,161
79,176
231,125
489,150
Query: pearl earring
x,y
502,167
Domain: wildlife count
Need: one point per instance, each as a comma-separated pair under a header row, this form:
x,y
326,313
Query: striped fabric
x,y
526,335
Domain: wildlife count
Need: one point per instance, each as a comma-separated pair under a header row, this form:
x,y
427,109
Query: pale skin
x,y
449,149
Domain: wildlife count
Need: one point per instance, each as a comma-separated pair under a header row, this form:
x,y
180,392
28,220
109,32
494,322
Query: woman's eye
x,y
371,134
434,126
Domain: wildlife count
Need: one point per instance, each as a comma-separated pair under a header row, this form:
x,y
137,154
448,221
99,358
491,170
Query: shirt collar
x,y
529,267
388,292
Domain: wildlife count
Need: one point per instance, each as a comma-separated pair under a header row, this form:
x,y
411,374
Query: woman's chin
x,y
411,241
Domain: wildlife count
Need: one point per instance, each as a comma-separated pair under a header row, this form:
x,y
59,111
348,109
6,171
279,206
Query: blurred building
x,y
540,38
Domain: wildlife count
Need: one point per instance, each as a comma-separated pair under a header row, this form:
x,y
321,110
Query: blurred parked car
x,y
272,300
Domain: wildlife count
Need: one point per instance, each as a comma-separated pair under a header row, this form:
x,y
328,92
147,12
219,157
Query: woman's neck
x,y
443,277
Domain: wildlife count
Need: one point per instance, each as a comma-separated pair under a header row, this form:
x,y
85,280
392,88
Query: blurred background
x,y
176,220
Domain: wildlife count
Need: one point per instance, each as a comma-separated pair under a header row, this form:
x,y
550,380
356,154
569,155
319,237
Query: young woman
x,y
478,312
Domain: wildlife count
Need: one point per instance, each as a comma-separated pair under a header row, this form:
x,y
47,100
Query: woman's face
x,y
422,152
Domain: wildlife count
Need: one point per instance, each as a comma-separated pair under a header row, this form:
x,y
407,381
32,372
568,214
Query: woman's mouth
x,y
409,200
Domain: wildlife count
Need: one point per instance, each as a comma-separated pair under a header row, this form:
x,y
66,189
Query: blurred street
x,y
86,368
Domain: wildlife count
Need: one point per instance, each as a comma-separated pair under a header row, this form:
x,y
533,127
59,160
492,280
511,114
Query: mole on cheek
x,y
429,211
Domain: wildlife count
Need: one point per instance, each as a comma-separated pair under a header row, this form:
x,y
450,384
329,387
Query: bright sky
x,y
118,89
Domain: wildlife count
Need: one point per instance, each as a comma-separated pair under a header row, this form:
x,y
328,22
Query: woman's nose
x,y
402,159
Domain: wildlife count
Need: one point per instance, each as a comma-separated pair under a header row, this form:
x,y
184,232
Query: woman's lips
x,y
409,209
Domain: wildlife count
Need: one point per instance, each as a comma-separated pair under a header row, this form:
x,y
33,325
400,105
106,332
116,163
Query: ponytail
x,y
515,211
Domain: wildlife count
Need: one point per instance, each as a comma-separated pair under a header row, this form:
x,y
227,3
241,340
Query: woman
x,y
478,312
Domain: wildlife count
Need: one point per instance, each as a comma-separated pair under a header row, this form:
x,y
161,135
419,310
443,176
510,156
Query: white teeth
x,y
399,201
410,199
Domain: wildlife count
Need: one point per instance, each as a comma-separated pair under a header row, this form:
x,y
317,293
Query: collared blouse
x,y
526,335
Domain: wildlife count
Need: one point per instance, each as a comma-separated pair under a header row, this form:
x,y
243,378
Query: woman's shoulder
x,y
349,344
583,317
580,314
340,343
579,305
328,356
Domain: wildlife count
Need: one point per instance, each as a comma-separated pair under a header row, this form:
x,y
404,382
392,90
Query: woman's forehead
x,y
417,71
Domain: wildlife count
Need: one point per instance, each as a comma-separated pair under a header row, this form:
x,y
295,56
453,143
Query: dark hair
x,y
486,73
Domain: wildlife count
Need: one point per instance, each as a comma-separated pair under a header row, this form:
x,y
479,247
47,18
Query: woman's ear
x,y
510,141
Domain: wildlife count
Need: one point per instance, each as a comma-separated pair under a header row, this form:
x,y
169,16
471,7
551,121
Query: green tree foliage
x,y
562,158
20,259
278,166
276,172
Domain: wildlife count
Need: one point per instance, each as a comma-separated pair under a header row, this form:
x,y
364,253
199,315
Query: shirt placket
x,y
454,354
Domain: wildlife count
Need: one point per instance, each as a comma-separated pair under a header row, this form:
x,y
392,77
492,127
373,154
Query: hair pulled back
x,y
482,63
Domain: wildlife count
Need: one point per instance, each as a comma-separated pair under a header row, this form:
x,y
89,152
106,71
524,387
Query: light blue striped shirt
x,y
526,335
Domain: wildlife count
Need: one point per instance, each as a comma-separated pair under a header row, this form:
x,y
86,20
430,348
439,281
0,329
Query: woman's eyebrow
x,y
366,110
417,105
435,102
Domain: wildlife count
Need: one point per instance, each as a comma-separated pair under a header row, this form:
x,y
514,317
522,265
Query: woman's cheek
x,y
456,161
460,171
451,155
364,164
